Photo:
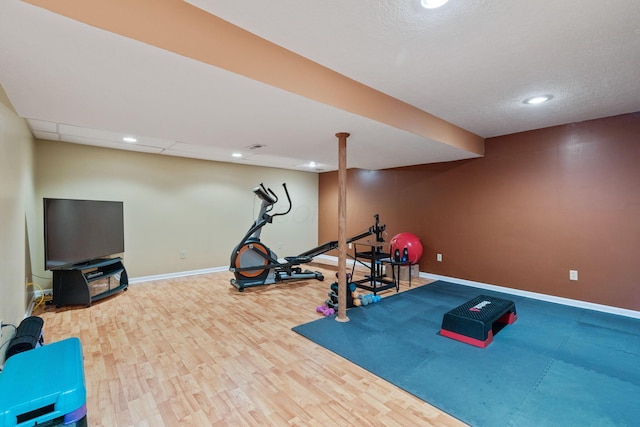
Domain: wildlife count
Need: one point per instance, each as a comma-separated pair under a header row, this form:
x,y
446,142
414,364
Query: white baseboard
x,y
177,274
321,259
535,295
49,292
332,260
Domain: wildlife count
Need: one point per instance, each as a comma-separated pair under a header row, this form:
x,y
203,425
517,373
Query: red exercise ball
x,y
408,247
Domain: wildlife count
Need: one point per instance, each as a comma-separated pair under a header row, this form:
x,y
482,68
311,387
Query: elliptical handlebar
x,y
269,198
284,185
275,197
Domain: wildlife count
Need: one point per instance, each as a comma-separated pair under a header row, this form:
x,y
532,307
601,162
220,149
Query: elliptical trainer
x,y
253,263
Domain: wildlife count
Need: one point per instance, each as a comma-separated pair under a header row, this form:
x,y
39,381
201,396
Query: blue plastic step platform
x,y
474,322
44,387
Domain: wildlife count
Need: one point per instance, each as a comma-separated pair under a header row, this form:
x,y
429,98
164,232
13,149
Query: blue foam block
x,y
44,384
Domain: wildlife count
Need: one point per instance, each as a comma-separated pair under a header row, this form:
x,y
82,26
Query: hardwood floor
x,y
195,351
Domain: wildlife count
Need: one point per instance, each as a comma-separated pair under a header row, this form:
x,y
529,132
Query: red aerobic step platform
x,y
474,321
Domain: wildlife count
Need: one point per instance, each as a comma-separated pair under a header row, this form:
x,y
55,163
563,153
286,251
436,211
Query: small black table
x,y
376,280
395,270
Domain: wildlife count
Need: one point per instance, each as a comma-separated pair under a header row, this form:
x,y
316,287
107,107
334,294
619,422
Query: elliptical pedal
x,y
295,260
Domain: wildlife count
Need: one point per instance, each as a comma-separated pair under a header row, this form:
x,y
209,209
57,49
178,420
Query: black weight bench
x,y
475,321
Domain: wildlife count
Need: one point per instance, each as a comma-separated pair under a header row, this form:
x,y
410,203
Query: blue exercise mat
x,y
555,366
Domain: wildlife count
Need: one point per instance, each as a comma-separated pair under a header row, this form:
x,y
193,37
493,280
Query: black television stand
x,y
83,284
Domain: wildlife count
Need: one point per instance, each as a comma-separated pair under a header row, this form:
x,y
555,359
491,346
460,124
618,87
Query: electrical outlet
x,y
573,274
183,254
350,245
439,257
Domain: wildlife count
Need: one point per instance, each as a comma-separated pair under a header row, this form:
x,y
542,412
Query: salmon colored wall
x,y
537,205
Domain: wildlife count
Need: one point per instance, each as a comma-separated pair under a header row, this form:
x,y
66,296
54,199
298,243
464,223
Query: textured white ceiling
x,y
471,63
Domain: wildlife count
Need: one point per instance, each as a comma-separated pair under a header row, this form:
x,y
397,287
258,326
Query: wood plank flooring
x,y
194,351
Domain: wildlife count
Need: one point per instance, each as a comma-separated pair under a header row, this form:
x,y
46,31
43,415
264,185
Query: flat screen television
x,y
79,231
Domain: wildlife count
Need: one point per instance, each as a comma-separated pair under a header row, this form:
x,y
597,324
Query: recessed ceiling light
x,y
129,139
237,155
432,4
538,99
312,164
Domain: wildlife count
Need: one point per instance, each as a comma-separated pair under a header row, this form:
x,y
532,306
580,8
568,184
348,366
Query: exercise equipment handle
x,y
266,195
284,185
273,194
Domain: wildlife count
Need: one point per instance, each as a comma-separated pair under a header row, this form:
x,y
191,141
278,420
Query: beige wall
x,y
171,205
16,216
174,204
